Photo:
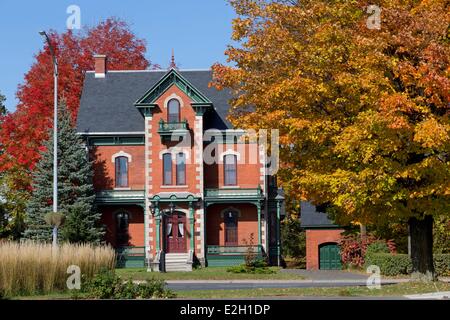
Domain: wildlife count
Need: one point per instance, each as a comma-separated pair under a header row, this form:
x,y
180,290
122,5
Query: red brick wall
x,y
247,224
248,168
314,238
135,227
160,112
104,168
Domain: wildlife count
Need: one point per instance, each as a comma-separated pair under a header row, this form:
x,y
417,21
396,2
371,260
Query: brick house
x,y
175,183
322,238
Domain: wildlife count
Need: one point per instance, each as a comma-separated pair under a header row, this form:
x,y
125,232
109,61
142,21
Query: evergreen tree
x,y
75,190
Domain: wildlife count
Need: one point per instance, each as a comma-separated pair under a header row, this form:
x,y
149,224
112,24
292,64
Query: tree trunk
x,y
421,232
363,231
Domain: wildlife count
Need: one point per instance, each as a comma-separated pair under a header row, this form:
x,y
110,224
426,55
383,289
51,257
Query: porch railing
x,y
223,256
130,257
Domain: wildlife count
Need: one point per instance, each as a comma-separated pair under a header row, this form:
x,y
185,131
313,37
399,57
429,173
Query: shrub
x,y
260,269
108,285
353,248
390,264
293,239
442,264
35,268
377,247
398,264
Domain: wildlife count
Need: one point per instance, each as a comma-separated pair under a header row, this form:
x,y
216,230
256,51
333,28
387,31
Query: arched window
x,y
173,110
230,169
181,168
167,169
122,236
121,172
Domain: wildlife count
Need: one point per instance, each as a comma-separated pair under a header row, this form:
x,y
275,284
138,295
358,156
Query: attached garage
x,y
329,257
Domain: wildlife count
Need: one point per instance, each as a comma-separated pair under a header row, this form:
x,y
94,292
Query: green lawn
x,y
210,273
386,290
395,290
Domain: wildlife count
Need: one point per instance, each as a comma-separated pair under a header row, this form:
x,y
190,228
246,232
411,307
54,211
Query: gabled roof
x,y
311,218
107,104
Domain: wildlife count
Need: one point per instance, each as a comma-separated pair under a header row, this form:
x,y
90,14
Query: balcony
x,y
224,195
169,129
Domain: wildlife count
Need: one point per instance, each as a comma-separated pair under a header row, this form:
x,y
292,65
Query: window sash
x,y
173,111
181,169
121,172
167,169
230,170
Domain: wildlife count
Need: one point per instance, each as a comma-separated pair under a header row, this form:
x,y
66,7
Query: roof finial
x,y
172,62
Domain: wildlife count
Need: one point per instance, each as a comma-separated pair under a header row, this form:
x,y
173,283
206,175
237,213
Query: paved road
x,y
248,284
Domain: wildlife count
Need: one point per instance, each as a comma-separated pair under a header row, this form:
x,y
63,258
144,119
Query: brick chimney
x,y
100,65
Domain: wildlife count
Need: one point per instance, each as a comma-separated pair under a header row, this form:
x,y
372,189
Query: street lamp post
x,y
55,133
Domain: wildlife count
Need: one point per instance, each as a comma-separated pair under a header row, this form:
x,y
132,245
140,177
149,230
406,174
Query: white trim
x,y
173,151
176,97
228,152
100,75
121,153
121,188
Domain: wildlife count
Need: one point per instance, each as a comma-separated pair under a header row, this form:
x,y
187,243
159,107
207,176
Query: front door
x,y
231,228
175,233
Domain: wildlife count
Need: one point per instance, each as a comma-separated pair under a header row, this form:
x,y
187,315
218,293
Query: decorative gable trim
x,y
147,102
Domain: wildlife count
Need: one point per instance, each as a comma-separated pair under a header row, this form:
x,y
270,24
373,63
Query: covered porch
x,y
233,225
123,215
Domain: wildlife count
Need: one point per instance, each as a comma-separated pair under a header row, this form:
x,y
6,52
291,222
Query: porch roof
x,y
227,195
120,197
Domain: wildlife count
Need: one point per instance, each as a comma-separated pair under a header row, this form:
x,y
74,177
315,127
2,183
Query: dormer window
x,y
173,111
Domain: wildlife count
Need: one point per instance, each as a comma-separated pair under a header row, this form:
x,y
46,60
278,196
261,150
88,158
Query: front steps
x,y
178,262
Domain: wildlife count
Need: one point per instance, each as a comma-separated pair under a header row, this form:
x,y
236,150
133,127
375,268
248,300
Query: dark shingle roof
x,y
107,104
311,218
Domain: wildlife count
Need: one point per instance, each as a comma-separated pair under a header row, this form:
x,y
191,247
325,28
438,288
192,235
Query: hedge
x,y
398,264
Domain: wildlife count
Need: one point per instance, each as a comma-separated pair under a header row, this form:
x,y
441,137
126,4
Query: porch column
x,y
191,221
258,207
278,232
158,224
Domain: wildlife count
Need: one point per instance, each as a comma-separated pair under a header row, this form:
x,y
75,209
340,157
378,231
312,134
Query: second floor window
x,y
173,111
230,170
167,169
121,172
181,169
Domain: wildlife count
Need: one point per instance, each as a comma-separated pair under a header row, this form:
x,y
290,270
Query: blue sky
x,y
198,31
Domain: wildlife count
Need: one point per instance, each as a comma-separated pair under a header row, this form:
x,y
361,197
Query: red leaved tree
x,y
23,131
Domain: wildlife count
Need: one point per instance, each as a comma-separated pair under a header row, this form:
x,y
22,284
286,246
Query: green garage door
x,y
329,256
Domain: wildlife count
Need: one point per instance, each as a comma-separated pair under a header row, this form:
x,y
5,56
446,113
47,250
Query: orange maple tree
x,y
363,112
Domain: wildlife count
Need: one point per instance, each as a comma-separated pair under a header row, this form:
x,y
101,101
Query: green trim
x,y
173,77
191,221
158,225
174,198
278,232
258,207
116,141
168,129
120,197
233,195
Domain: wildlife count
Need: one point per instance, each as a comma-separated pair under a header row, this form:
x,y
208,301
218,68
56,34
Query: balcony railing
x,y
234,194
165,127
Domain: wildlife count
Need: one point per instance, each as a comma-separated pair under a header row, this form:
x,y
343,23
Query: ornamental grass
x,y
30,268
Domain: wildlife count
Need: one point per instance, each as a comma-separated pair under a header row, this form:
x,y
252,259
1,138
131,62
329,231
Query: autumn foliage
x,y
363,113
23,131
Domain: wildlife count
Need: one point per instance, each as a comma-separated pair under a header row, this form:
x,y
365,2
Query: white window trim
x,y
173,96
174,151
230,152
121,153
